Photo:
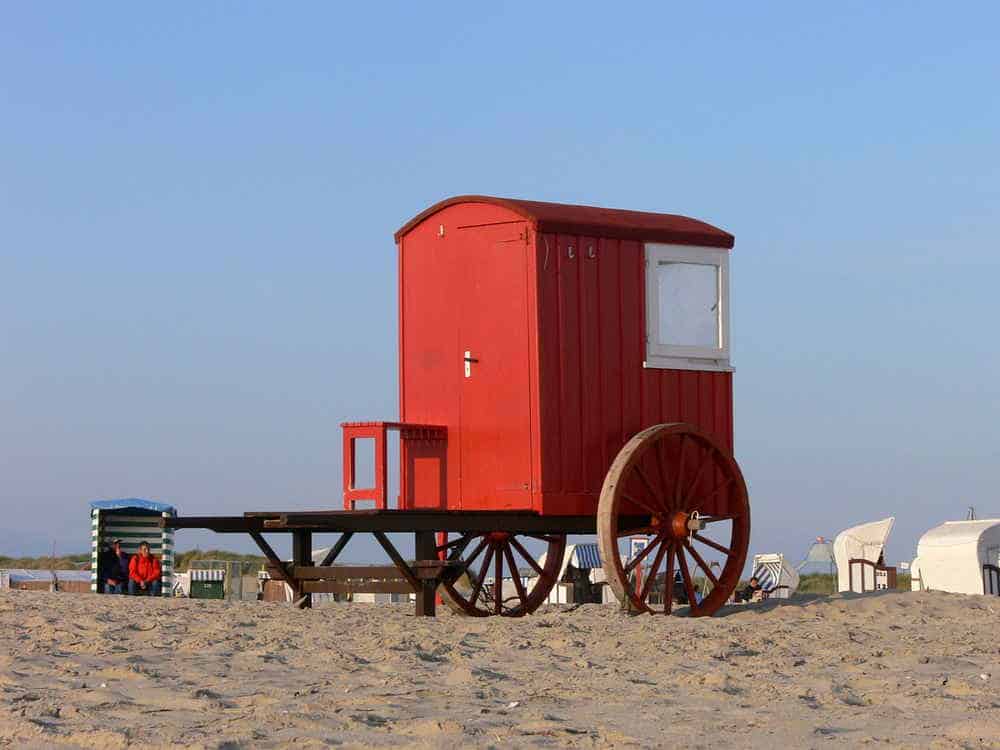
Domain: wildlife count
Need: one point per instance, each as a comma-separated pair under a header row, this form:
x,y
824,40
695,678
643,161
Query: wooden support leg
x,y
275,565
336,549
302,555
426,549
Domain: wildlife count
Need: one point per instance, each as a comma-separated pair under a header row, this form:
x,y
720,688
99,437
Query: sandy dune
x,y
897,670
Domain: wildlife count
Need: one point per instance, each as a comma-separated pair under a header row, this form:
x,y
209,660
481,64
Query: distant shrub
x,y
818,583
63,562
183,560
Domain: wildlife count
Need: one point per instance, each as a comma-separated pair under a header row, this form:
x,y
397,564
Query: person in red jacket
x,y
144,573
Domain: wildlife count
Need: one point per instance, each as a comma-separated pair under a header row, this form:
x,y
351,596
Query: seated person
x,y
680,593
105,563
144,573
114,568
751,592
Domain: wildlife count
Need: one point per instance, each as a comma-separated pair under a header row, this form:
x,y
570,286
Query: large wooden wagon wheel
x,y
499,555
690,500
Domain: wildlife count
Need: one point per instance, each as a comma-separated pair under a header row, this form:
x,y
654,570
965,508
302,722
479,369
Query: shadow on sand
x,y
802,600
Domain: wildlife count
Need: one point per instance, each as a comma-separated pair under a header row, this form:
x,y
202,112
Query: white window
x,y
687,307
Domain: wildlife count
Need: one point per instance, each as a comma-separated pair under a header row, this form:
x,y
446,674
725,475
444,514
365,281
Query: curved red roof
x,y
595,221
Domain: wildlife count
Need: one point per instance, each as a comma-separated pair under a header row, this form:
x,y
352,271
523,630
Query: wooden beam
x,y
276,567
345,572
424,570
402,521
407,521
337,548
219,524
404,569
269,553
425,549
433,569
399,586
302,557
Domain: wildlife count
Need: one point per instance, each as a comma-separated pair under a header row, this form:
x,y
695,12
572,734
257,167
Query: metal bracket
x,y
695,523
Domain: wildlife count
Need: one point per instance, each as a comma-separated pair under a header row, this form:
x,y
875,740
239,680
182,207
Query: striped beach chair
x,y
132,520
777,578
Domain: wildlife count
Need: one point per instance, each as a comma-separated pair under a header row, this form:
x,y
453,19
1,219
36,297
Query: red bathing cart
x,y
563,370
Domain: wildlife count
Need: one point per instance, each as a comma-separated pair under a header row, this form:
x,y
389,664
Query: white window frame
x,y
665,356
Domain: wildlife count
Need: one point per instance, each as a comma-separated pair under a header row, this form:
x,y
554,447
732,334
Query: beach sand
x,y
892,670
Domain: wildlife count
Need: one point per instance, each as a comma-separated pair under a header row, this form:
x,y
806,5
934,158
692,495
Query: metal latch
x,y
468,364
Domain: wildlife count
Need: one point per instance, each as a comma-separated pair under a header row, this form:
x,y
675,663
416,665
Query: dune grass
x,y
182,561
60,562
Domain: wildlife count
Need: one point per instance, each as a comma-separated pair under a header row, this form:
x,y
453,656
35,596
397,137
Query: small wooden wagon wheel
x,y
499,555
691,502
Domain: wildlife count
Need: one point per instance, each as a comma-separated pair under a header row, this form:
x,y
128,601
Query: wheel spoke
x,y
639,531
527,556
668,582
719,488
469,560
726,517
652,574
465,538
701,563
714,545
642,505
515,574
482,575
498,581
642,555
661,463
688,584
680,473
457,552
543,537
697,478
649,487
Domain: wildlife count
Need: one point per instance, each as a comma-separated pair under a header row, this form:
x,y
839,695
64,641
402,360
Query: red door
x,y
493,336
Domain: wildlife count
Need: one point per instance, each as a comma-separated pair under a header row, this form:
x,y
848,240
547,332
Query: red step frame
x,y
378,431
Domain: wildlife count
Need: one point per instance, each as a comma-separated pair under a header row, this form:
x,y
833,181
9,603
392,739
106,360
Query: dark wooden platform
x,y
420,576
389,521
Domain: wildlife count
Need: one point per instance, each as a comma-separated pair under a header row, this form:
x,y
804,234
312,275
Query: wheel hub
x,y
683,525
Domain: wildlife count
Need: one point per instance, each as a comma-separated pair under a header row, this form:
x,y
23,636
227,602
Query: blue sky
x,y
197,274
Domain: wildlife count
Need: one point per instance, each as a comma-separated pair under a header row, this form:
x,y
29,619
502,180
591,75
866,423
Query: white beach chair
x,y
962,557
858,551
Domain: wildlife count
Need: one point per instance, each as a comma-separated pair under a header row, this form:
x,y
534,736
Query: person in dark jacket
x,y
750,591
144,573
680,593
113,567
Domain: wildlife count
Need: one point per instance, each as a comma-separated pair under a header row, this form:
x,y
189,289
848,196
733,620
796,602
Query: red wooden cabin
x,y
525,333
572,362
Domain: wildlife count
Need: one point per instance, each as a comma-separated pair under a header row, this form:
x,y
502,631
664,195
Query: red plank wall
x,y
585,335
594,391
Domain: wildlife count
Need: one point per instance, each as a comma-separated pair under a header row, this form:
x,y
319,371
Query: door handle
x,y
468,360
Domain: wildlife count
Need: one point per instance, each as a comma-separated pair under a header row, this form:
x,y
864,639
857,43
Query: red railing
x,y
378,432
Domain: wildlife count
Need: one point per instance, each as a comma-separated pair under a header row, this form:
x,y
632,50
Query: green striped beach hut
x,y
132,520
